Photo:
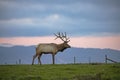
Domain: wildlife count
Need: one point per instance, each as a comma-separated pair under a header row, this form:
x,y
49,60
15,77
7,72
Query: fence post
x,y
74,59
19,61
106,59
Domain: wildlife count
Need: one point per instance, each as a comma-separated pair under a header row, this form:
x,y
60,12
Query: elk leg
x,y
53,58
34,58
39,61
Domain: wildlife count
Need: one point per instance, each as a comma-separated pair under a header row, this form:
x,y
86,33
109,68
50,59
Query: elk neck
x,y
61,47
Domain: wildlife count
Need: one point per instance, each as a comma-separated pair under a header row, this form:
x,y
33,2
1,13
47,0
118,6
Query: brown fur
x,y
50,48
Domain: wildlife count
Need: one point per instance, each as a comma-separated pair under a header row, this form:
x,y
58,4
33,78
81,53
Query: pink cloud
x,y
97,42
27,41
87,42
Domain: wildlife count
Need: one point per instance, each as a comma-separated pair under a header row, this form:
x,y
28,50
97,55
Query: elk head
x,y
64,38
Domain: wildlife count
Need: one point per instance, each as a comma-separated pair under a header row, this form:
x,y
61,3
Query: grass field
x,y
60,72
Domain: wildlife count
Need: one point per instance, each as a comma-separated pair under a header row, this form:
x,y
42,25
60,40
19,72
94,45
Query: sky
x,y
88,23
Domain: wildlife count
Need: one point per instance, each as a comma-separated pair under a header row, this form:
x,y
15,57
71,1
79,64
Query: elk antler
x,y
62,36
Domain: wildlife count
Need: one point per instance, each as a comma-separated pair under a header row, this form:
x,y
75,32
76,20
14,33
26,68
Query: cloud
x,y
93,9
86,42
97,42
6,45
34,18
55,23
47,21
17,21
28,41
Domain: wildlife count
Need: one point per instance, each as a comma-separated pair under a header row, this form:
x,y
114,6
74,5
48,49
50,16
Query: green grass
x,y
60,72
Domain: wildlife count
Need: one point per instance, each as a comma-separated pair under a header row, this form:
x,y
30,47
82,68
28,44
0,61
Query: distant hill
x,y
12,55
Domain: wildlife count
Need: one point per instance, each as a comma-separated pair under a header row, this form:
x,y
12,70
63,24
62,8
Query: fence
x,y
108,59
85,59
75,60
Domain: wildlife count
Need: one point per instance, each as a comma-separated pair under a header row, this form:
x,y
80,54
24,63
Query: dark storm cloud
x,y
43,17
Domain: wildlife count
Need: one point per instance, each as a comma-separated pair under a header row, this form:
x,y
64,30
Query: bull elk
x,y
52,48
